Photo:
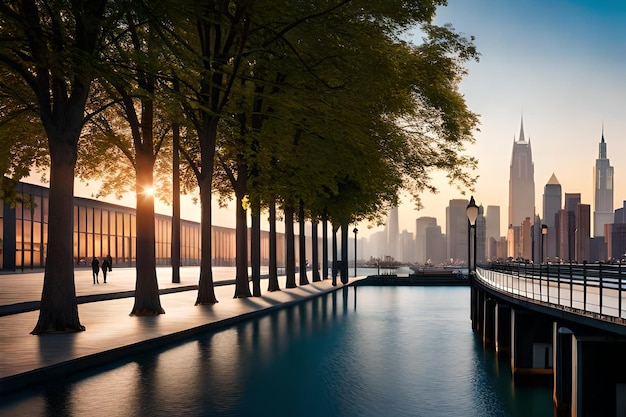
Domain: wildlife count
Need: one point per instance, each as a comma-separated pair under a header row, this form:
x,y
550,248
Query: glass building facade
x,y
102,229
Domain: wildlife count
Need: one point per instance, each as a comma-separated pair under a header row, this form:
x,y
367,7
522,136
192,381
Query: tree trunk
x,y
290,267
324,247
315,259
206,290
344,253
242,283
303,278
175,260
255,248
147,300
273,269
59,311
335,260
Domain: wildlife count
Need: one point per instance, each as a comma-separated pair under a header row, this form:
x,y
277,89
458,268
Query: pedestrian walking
x,y
110,261
105,269
95,268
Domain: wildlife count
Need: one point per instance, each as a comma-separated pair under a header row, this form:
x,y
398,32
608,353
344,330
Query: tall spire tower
x,y
602,191
521,181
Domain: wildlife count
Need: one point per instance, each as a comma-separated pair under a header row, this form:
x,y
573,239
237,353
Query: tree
x,y
327,116
213,39
131,83
53,49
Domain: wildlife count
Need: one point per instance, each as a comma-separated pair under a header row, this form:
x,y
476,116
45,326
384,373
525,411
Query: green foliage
x,y
321,102
349,113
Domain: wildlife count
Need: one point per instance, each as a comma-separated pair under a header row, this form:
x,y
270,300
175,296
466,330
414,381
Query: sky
x,y
559,63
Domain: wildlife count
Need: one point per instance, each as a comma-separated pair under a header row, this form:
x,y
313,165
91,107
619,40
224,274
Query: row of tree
x,y
322,108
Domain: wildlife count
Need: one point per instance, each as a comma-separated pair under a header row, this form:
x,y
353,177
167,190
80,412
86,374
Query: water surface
x,y
367,351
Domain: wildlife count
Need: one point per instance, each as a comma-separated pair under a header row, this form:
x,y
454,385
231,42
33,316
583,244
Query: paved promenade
x,y
110,332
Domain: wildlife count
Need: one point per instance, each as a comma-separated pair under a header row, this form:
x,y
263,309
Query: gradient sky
x,y
562,64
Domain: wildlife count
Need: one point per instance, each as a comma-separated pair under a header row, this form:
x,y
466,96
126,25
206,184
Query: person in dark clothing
x,y
105,268
110,260
95,268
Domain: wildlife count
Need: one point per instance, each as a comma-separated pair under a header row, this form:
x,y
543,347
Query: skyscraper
x,y
393,234
552,197
435,245
521,181
582,233
572,200
481,236
493,229
492,218
421,225
603,191
456,229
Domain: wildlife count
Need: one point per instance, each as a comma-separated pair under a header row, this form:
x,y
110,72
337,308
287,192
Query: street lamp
x,y
472,214
544,232
355,231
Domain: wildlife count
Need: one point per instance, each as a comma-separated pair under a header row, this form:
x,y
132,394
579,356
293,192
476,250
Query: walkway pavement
x,y
110,332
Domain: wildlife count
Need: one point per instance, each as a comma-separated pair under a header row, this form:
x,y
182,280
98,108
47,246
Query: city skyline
x,y
560,65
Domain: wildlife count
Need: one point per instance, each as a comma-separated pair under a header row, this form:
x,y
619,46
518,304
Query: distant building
x,y
492,219
564,250
616,240
435,245
421,239
603,191
407,247
481,236
619,216
552,197
393,234
501,248
615,234
572,200
513,242
582,234
456,230
526,239
521,181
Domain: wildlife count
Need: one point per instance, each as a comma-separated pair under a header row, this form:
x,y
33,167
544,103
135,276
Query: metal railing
x,y
596,288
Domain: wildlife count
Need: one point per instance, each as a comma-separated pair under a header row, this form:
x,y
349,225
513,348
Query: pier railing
x,y
596,289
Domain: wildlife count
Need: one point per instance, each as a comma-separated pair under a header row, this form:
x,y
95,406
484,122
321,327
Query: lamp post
x,y
355,230
544,232
472,214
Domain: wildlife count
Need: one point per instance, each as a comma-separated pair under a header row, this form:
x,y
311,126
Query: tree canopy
x,y
323,105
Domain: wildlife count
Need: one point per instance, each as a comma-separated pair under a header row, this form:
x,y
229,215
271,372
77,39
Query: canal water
x,y
366,351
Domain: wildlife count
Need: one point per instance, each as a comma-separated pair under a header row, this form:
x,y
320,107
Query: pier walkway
x,y
111,333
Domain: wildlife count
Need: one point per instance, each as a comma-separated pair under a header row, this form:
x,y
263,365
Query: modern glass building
x,y
102,229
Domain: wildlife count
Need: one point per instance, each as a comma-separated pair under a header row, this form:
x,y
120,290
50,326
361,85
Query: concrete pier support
x,y
598,376
478,310
562,359
503,329
489,323
531,344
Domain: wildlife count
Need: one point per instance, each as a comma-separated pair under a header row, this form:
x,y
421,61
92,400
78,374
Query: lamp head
x,y
472,211
544,229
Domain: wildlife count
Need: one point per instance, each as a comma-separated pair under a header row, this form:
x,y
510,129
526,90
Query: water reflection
x,y
400,351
